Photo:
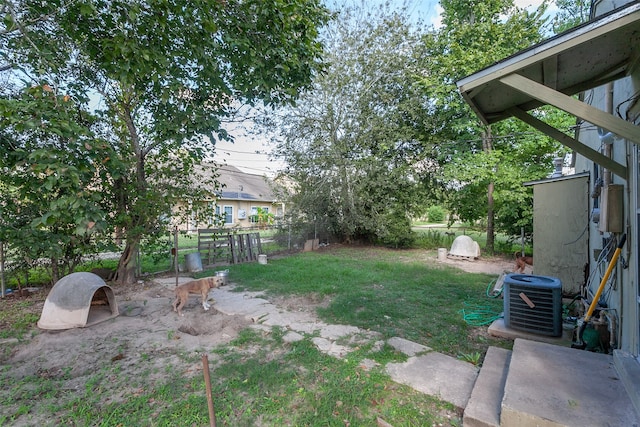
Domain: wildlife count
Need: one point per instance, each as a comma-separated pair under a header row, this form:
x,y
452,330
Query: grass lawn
x,y
396,293
258,379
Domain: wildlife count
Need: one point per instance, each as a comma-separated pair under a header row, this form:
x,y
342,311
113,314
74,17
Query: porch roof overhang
x,y
550,73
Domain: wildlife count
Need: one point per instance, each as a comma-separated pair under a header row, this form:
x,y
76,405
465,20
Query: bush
x,y
397,232
432,239
436,214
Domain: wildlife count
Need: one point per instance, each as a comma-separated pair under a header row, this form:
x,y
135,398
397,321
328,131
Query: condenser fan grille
x,y
533,304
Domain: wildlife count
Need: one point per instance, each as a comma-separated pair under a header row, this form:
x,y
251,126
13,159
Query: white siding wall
x,y
623,295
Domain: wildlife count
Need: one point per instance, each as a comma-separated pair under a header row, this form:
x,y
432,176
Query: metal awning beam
x,y
572,143
607,121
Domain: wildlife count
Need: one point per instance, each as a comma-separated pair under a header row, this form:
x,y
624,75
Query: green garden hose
x,y
492,295
479,315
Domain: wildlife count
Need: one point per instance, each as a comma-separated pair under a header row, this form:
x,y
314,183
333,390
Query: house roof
x,y
600,51
560,178
238,185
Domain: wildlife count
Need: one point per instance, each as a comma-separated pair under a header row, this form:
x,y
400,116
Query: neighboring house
x,y
244,201
599,62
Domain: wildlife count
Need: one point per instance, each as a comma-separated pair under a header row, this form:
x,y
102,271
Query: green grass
x,y
256,380
376,289
17,319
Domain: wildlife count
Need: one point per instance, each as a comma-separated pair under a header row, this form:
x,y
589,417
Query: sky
x,y
250,153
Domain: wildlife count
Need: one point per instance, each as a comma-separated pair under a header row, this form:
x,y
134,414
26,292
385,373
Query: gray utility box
x,y
533,304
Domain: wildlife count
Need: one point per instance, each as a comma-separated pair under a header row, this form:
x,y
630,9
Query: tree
x,y
570,14
50,164
166,73
483,162
263,217
354,143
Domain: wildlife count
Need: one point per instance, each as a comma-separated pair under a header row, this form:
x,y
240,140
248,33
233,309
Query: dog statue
x,y
522,261
200,286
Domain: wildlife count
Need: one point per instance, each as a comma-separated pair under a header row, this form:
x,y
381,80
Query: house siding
x,y
622,295
240,193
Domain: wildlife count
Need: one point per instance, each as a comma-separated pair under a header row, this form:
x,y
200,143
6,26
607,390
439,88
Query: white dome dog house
x,y
78,300
465,247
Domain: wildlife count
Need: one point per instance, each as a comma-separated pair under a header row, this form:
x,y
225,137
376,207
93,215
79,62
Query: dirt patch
x,y
484,264
488,265
301,303
145,327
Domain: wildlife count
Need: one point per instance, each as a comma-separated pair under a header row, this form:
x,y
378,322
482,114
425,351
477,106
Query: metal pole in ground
x,y
175,252
3,286
207,382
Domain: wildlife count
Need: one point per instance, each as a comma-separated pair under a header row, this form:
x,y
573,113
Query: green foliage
x,y
263,217
571,13
484,166
51,162
473,358
433,239
161,77
353,142
436,213
397,231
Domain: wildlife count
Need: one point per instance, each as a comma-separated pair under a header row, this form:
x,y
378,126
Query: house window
x,y
228,214
192,222
211,211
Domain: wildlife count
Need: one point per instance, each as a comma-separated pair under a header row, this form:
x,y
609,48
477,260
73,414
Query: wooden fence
x,y
221,247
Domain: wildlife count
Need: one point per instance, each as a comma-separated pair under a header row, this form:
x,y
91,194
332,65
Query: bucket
x,y
224,274
193,262
442,254
262,259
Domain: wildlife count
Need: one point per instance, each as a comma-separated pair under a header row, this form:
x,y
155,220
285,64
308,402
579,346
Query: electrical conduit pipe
x,y
580,344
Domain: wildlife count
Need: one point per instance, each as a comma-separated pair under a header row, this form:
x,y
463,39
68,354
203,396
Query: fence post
x,y
3,284
175,252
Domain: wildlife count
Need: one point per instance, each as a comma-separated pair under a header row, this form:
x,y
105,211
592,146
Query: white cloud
x,y
531,5
437,20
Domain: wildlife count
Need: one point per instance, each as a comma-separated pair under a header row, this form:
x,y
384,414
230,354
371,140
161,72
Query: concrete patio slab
x,y
551,385
437,375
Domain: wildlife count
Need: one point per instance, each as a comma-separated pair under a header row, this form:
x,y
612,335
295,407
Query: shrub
x,y
436,214
397,232
432,239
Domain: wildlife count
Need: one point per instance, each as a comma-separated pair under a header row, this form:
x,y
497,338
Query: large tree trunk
x,y
487,146
55,272
127,266
490,220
